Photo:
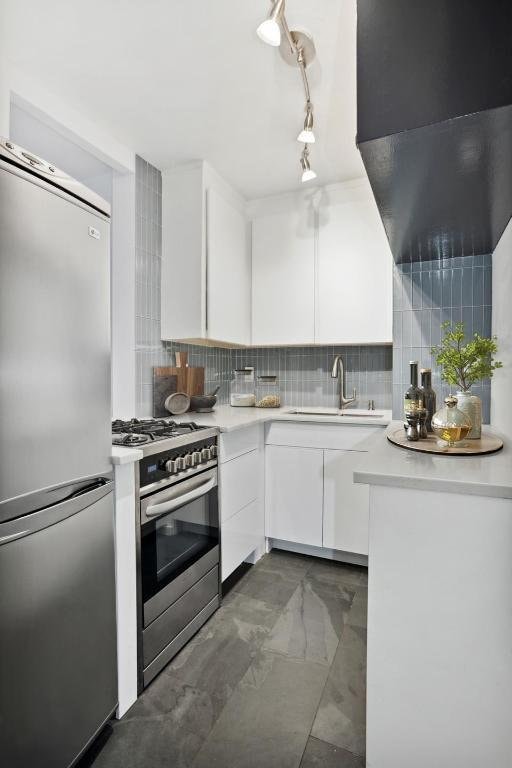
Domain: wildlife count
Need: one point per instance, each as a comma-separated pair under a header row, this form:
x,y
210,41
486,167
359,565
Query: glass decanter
x,y
450,424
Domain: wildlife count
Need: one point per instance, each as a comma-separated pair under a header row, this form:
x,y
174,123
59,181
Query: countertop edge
x,y
121,455
367,477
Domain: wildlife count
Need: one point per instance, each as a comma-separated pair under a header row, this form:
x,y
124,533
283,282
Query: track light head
x,y
270,30
307,173
306,136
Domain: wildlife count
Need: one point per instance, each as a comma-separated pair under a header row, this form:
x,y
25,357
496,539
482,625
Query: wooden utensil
x,y
181,359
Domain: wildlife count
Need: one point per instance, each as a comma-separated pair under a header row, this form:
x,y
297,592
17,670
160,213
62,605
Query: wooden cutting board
x,y
189,380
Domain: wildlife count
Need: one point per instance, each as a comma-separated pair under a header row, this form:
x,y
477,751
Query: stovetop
x,y
136,432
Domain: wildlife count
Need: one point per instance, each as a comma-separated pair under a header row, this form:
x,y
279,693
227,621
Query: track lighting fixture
x,y
297,49
306,136
307,173
269,30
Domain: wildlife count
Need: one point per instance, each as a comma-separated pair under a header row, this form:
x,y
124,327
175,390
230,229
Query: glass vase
x,y
471,405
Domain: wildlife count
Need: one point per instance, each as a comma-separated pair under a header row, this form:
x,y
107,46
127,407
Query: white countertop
x,y
387,464
122,455
226,418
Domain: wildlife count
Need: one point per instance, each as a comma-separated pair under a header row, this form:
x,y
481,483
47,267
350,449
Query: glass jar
x,y
267,392
242,388
450,424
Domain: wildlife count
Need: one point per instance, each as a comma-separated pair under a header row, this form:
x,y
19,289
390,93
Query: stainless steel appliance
x,y
178,535
57,590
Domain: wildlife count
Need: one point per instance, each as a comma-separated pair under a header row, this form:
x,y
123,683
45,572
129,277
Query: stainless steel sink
x,y
351,412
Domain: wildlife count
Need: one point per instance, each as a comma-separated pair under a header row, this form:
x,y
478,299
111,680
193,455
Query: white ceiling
x,y
186,79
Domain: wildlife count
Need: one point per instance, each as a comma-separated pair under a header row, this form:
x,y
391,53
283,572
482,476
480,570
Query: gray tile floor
x,y
276,679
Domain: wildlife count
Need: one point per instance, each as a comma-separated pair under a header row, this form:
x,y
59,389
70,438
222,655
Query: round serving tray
x,y
486,444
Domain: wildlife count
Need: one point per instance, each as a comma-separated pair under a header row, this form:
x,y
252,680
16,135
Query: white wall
x,y
501,389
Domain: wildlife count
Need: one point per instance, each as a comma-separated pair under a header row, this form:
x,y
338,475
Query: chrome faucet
x,y
337,372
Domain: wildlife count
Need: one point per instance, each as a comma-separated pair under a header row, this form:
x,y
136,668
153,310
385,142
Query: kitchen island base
x,y
439,630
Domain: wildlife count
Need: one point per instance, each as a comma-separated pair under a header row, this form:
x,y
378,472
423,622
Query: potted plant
x,y
463,364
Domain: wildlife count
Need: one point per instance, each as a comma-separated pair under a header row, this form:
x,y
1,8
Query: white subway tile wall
x,y
304,372
426,294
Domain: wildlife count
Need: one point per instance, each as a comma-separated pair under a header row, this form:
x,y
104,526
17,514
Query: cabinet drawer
x,y
241,535
239,481
350,437
178,615
233,444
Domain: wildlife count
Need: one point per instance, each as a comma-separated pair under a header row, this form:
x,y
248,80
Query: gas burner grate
x,y
143,430
122,438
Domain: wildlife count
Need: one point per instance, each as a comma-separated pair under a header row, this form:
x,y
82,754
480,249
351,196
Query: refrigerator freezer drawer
x,y
58,667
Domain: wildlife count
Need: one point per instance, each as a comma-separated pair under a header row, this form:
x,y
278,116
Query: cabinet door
x,y
354,270
228,272
283,277
346,504
243,533
293,494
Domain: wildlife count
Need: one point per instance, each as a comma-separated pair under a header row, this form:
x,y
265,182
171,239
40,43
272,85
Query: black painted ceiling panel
x,y
444,190
435,122
425,61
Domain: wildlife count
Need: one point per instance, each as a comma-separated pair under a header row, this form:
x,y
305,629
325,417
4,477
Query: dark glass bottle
x,y
413,398
429,396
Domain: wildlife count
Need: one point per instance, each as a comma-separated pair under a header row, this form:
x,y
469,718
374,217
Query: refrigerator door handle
x,y
43,518
12,536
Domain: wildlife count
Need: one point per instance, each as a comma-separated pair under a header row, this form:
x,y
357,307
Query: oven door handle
x,y
153,510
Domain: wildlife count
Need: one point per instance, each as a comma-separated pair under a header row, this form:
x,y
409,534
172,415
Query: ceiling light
x,y
306,136
269,30
307,173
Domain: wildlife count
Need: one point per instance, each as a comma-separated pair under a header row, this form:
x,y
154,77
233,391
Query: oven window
x,y
173,542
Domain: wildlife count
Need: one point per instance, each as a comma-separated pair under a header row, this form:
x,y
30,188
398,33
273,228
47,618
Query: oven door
x,y
179,540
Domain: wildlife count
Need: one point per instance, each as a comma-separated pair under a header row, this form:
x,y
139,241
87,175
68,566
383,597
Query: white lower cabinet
x,y
293,494
241,534
241,497
239,483
345,505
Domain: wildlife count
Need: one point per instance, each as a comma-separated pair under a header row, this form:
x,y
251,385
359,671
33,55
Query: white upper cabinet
x,y
283,271
354,268
228,271
206,260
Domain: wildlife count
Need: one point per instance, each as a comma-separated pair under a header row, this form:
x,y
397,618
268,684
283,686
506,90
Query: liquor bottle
x,y
429,395
413,398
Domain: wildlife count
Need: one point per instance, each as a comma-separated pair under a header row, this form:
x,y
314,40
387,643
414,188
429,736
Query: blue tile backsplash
x,y
426,294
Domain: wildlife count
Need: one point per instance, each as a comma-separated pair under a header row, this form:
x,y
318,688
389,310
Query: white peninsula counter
x,y
439,689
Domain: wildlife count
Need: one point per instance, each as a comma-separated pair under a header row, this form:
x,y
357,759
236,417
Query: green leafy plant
x,y
464,364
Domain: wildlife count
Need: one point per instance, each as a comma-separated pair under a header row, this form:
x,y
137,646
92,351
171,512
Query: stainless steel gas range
x,y
178,535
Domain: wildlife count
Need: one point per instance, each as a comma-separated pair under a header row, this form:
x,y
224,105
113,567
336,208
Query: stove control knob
x,y
171,466
196,458
206,454
214,451
180,463
189,461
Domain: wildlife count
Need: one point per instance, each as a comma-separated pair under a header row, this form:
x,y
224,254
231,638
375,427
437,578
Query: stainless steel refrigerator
x,y
57,582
